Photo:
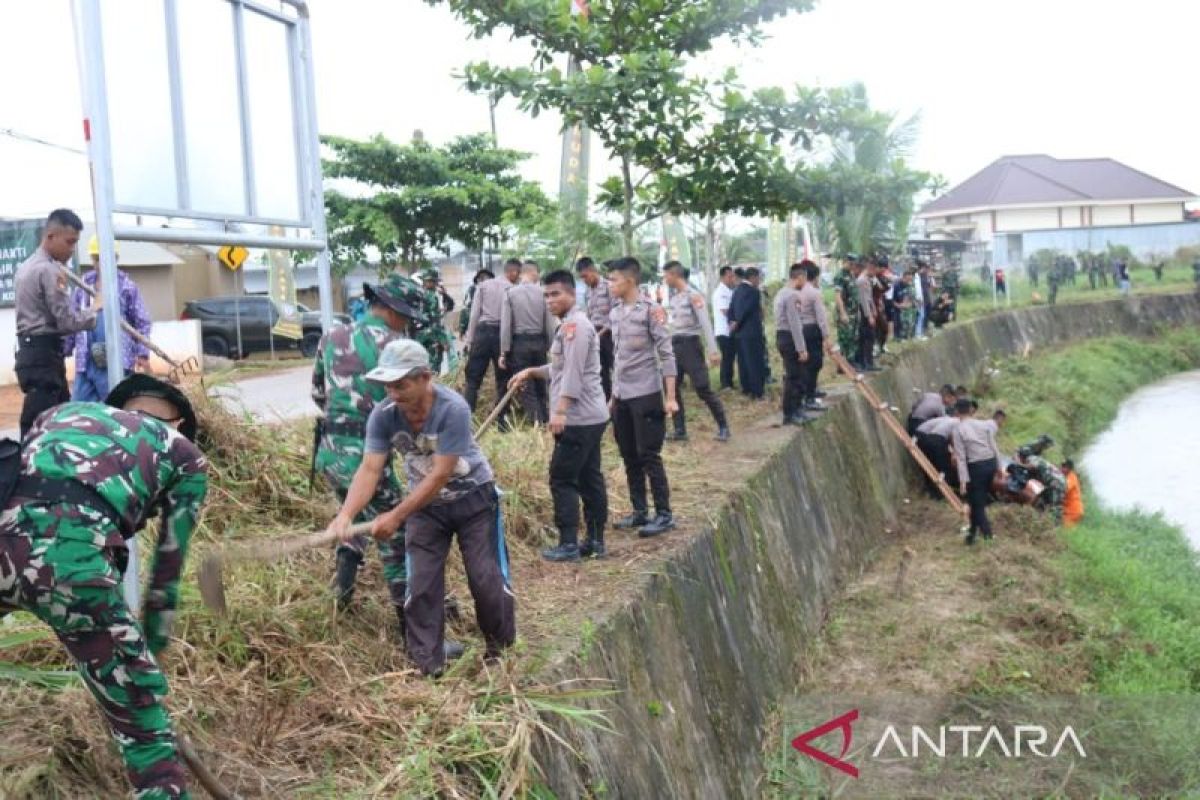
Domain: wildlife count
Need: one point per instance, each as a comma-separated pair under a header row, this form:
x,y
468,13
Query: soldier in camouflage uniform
x,y
91,475
845,295
950,281
1051,477
432,333
340,389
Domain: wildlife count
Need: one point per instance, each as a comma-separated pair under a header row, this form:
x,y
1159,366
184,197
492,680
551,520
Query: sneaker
x,y
661,523
723,433
635,520
593,549
797,419
345,577
564,552
676,436
815,405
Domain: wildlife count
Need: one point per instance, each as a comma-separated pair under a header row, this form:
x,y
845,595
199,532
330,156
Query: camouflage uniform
x,y
847,331
1054,481
950,283
342,392
62,561
433,335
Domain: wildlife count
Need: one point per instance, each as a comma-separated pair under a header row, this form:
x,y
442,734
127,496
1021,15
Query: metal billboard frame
x,y
89,47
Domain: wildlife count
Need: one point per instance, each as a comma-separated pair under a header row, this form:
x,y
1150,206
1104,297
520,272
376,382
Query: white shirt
x,y
721,298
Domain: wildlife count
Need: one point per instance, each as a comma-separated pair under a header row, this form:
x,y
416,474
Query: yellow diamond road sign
x,y
232,257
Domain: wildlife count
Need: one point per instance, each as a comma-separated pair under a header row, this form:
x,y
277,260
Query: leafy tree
x,y
678,148
410,199
875,216
560,235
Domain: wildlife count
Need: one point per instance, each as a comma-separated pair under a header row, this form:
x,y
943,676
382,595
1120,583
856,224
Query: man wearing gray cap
x,y
451,490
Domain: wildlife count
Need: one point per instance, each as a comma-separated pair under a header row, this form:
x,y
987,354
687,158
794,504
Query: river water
x,y
1146,459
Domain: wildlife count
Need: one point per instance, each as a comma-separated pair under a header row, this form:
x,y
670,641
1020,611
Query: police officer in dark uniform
x,y
45,314
746,326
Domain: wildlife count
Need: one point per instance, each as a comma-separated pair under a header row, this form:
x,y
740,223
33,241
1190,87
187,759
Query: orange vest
x,y
1072,501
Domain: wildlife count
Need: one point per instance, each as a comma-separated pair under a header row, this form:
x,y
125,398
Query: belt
x,y
64,490
528,337
40,340
345,428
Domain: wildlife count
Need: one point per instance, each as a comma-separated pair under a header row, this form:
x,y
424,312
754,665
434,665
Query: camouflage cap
x,y
399,293
430,274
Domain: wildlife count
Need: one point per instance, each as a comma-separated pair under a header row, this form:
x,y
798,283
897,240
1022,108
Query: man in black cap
x,y
45,314
65,534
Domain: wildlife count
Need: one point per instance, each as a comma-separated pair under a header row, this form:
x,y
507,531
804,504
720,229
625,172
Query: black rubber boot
x,y
400,619
345,577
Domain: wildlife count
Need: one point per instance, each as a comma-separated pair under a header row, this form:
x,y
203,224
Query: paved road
x,y
280,395
270,398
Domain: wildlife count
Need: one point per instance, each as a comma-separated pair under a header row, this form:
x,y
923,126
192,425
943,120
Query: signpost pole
x,y
90,54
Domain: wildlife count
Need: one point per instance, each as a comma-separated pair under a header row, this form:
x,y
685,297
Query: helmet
x,y
1024,452
430,274
94,247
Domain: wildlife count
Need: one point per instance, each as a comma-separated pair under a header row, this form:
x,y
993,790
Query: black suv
x,y
219,321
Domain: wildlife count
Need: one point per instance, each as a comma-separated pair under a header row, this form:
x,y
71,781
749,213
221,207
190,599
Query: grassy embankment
x,y
1109,609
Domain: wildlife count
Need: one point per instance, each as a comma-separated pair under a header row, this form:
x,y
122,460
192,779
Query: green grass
x,y
1131,575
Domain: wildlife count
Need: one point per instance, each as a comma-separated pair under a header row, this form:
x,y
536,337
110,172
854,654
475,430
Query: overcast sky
x,y
1070,78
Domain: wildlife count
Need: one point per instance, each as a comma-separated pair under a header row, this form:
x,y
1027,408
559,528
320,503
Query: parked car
x,y
220,318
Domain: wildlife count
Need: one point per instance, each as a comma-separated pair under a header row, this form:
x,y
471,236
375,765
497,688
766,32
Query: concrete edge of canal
x,y
698,660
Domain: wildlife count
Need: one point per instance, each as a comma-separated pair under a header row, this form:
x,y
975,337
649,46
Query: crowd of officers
x,y
88,475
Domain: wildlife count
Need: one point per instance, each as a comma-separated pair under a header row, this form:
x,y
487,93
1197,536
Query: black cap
x,y
140,384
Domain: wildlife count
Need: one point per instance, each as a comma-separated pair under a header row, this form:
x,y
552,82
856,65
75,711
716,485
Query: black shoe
x,y
815,405
661,523
970,540
593,549
819,394
452,649
635,520
676,436
797,419
345,577
564,552
723,433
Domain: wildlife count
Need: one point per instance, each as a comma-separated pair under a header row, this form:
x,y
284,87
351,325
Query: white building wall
x,y
1026,219
1110,215
1146,213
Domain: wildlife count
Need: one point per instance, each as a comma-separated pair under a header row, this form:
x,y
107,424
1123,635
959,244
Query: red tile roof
x,y
1045,180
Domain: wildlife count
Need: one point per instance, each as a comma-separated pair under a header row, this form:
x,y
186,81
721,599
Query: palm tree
x,y
880,149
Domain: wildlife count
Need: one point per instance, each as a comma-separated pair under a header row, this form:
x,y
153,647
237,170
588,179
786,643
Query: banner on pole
x,y
281,287
18,240
675,240
573,172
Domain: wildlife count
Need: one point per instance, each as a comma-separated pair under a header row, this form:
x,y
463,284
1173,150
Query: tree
x,y
558,236
634,93
875,217
414,198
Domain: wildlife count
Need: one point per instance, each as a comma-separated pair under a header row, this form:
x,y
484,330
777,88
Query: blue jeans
x,y
91,385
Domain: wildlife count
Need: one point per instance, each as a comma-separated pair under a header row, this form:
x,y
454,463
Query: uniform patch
x,y
569,330
697,301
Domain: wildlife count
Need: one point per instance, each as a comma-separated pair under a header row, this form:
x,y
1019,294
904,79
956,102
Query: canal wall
x,y
700,654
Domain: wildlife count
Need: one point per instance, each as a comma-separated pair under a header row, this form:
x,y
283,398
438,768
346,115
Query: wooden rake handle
x,y
892,424
125,326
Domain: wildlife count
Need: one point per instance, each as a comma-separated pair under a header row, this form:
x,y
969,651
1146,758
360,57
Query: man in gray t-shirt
x,y
578,419
451,490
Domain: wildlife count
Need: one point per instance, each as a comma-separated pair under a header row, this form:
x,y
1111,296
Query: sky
x,y
1070,78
